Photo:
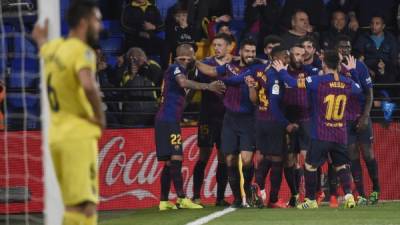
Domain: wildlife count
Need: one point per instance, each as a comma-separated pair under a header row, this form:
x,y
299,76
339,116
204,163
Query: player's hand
x,y
292,127
353,24
251,83
278,65
40,33
101,122
351,63
148,26
217,87
362,123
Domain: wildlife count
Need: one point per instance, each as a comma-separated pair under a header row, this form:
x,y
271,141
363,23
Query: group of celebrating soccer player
x,y
292,105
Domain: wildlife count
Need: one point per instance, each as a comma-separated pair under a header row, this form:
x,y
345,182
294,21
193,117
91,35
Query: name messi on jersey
x,y
337,84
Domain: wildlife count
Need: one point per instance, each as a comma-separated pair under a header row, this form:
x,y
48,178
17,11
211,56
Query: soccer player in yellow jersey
x,y
76,115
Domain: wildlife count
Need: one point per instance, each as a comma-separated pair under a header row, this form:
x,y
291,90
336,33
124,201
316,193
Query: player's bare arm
x,y
206,69
251,83
40,33
215,86
92,92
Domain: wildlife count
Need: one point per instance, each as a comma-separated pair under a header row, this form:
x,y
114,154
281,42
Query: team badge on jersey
x,y
275,89
177,71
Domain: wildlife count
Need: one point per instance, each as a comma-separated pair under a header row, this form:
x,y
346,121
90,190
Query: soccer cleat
x,y
374,198
166,205
263,195
320,197
349,201
222,203
185,203
293,201
197,201
333,202
236,204
256,196
308,204
361,201
277,205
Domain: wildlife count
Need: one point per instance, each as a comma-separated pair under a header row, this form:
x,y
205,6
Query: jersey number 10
x,y
336,105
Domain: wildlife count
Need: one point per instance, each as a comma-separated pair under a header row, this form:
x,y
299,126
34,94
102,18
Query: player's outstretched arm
x,y
40,33
208,70
284,75
216,86
88,82
251,83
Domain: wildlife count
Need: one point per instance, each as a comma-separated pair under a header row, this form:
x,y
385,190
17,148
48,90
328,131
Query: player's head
x,y
224,27
377,25
184,55
221,44
247,51
339,20
300,21
297,54
84,16
270,42
280,53
330,60
343,45
310,46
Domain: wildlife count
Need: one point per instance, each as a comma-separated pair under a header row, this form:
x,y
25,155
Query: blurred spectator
x,y
198,10
262,19
315,9
103,75
140,103
311,57
338,27
170,18
180,33
141,22
220,27
300,28
378,50
270,42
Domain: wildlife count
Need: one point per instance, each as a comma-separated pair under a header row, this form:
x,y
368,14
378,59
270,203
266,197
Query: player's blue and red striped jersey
x,y
360,75
329,99
236,97
296,99
172,95
270,90
211,104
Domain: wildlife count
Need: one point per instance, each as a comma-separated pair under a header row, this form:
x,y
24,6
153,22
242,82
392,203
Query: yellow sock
x,y
91,220
74,218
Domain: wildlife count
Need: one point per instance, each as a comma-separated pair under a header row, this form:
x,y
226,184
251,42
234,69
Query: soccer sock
x,y
176,175
248,176
357,176
298,174
332,179
234,182
290,179
345,179
74,218
198,178
319,171
372,167
261,173
311,180
222,180
276,179
165,183
91,220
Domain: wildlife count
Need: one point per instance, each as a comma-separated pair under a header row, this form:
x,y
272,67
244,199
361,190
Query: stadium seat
x,y
111,46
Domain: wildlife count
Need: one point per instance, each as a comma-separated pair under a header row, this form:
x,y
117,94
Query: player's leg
x,y
78,177
263,165
332,181
221,173
234,179
289,171
366,140
340,160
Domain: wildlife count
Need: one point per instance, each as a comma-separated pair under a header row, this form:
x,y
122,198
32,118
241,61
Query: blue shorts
x,y
237,133
270,138
300,139
319,151
168,140
364,137
209,132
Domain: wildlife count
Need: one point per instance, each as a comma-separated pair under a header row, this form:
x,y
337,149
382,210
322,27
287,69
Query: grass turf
x,y
382,214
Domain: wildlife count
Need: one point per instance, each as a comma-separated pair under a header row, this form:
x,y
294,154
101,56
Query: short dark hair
x,y
248,41
79,9
278,49
298,11
225,37
331,59
341,38
297,45
272,39
311,39
222,24
378,15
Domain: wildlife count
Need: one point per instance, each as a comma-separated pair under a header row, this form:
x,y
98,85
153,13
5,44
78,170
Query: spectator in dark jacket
x,y
141,22
378,50
300,28
262,19
338,27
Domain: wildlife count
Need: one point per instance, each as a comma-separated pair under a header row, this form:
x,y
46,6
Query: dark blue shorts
x,y
168,140
364,137
319,151
208,134
237,133
270,138
300,139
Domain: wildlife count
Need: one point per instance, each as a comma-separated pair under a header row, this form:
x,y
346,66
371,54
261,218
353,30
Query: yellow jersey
x,y
69,106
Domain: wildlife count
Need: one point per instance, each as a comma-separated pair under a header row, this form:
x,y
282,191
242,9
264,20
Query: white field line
x,y
212,216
